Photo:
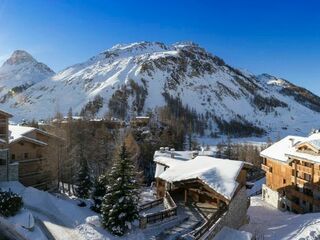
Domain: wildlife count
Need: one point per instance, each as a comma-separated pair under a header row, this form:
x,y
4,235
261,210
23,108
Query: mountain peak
x,y
19,56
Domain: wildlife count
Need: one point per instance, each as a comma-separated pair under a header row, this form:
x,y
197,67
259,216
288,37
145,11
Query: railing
x,y
160,216
197,234
170,211
304,169
150,205
266,168
304,196
30,160
300,180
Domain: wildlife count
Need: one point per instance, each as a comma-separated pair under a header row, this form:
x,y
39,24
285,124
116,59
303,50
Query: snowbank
x,y
269,223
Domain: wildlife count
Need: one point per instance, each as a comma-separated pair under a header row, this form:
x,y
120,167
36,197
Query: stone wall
x,y
270,196
235,217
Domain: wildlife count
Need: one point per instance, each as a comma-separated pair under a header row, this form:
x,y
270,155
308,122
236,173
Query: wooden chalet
x,y
37,153
216,187
292,168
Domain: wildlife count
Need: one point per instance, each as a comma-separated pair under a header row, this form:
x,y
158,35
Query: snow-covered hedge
x,y
10,203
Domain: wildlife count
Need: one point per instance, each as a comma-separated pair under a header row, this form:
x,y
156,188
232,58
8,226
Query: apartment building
x,y
292,167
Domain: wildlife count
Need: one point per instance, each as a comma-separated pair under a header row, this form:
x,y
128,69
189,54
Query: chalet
x,y
37,152
292,167
200,180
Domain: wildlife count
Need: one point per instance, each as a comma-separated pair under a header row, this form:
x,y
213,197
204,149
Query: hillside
x,y
136,78
17,74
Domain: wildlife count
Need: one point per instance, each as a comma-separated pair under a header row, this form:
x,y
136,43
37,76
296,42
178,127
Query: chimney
x,y
162,149
167,149
172,152
292,141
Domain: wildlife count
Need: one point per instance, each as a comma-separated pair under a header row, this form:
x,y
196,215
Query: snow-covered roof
x,y
168,161
178,155
288,147
17,133
278,150
232,234
218,174
6,113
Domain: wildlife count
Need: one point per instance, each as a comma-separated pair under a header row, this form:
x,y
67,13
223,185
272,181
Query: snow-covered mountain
x,y
18,73
141,74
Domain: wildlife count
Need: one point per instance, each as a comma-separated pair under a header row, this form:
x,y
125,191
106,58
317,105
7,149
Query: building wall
x,y
236,215
270,196
30,173
279,176
13,172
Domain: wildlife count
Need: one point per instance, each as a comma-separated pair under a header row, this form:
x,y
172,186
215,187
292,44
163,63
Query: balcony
x,y
304,169
300,181
303,196
266,168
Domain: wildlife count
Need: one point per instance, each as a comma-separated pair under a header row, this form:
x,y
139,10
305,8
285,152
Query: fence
x,y
151,204
197,234
170,211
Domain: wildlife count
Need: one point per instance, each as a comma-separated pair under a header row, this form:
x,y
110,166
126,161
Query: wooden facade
x,y
298,179
38,158
197,191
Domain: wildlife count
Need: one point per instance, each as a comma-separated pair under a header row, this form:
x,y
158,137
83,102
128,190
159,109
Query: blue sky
x,y
277,37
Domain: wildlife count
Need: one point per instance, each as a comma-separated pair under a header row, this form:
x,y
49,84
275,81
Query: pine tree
x,y
83,182
100,188
120,204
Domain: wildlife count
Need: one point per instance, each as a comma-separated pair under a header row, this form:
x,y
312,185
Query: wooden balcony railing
x,y
304,169
198,233
300,181
266,168
169,211
30,160
303,196
151,204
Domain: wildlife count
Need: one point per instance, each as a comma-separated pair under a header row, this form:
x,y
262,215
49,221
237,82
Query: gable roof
x,y
218,174
6,113
288,147
17,133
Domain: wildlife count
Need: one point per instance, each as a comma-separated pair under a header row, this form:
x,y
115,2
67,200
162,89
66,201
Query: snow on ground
x,y
269,223
231,234
67,221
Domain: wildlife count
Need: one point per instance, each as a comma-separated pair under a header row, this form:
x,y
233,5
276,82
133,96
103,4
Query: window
x,y
307,177
284,181
26,155
264,161
13,157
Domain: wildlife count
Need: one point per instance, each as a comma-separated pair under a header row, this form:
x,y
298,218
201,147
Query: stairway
x,y
192,220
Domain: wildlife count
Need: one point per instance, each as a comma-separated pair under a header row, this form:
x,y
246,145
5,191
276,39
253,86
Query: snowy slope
x,y
18,73
201,80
